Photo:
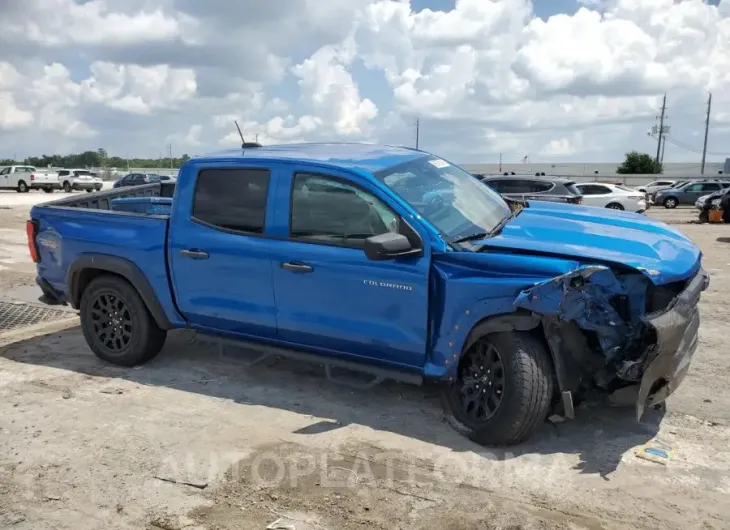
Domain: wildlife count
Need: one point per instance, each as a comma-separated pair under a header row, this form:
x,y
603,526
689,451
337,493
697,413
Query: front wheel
x,y
503,390
67,187
88,190
670,203
116,323
48,190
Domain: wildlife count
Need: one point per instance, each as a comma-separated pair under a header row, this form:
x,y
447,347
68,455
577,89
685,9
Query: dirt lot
x,y
196,439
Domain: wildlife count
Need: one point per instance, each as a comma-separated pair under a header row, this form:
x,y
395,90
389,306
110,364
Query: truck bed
x,y
102,200
76,228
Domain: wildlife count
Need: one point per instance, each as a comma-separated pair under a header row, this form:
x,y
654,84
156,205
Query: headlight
x,y
716,202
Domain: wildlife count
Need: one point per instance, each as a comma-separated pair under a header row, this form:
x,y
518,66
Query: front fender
x,y
479,289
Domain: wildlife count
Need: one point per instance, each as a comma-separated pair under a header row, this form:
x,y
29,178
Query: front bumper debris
x,y
602,337
677,330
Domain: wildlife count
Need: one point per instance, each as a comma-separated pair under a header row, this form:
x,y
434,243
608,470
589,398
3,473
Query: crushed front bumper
x,y
676,329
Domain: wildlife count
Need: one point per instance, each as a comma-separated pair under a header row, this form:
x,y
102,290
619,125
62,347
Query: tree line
x,y
634,163
95,159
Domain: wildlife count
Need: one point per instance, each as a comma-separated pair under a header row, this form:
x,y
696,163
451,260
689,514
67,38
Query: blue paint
x,y
584,296
347,306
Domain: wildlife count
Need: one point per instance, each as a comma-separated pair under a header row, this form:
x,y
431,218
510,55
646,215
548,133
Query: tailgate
x,y
43,177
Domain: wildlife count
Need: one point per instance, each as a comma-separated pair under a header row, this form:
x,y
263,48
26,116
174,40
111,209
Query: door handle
x,y
194,254
296,267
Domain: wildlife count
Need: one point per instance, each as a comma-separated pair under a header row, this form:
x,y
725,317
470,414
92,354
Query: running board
x,y
266,351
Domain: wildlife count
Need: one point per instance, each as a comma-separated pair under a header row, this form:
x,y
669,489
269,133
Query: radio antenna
x,y
243,142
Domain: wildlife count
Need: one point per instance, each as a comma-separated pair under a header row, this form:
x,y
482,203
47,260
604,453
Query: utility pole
x,y
170,148
500,162
707,130
256,138
661,132
418,126
664,146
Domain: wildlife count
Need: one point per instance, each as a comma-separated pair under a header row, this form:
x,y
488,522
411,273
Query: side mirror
x,y
389,246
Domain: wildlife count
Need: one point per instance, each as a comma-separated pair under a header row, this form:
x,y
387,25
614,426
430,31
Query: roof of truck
x,y
370,157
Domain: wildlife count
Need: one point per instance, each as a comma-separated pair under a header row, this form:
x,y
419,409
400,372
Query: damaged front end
x,y
618,332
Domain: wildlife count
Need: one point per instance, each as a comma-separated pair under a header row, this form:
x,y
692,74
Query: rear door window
x,y
495,184
540,186
516,186
232,199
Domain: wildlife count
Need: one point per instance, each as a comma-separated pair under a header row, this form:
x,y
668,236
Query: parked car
x,y
612,196
688,193
518,187
720,200
26,178
348,265
79,179
136,179
655,185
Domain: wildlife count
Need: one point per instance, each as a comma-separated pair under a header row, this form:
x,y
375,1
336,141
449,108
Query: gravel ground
x,y
197,439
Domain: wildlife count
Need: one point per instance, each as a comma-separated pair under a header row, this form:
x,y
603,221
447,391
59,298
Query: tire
x,y
615,206
22,187
140,339
48,190
88,191
67,187
704,216
526,383
670,203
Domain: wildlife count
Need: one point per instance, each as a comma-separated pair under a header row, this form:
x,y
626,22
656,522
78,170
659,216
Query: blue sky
x,y
179,72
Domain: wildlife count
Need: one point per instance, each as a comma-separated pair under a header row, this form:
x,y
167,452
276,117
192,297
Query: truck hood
x,y
663,254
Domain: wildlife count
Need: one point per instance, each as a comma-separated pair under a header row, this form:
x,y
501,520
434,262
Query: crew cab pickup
x,y
388,260
25,178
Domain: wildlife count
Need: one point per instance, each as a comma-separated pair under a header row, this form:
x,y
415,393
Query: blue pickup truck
x,y
390,261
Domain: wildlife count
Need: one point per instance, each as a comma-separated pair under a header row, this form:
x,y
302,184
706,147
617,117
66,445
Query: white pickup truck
x,y
25,178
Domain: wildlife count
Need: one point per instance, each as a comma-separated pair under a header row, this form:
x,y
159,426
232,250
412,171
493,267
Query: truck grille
x,y
658,297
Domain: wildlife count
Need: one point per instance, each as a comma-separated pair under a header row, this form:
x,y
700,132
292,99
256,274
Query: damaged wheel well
x,y
520,320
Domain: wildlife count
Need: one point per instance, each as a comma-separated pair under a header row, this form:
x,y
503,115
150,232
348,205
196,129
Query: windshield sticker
x,y
438,163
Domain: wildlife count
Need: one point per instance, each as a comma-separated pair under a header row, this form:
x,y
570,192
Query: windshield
x,y
451,199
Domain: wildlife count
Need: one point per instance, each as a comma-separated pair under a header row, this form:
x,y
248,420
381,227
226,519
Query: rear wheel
x,y
22,187
88,190
670,202
116,323
503,390
615,206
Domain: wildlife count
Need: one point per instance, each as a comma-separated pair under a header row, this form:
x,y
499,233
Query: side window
x,y
514,186
540,186
600,190
694,187
496,185
62,173
587,189
330,211
711,186
5,171
233,199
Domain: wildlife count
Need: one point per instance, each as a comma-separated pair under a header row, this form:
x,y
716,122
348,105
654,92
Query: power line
x,y
687,147
707,130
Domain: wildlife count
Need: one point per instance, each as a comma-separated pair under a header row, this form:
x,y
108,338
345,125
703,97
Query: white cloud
x,y
486,77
